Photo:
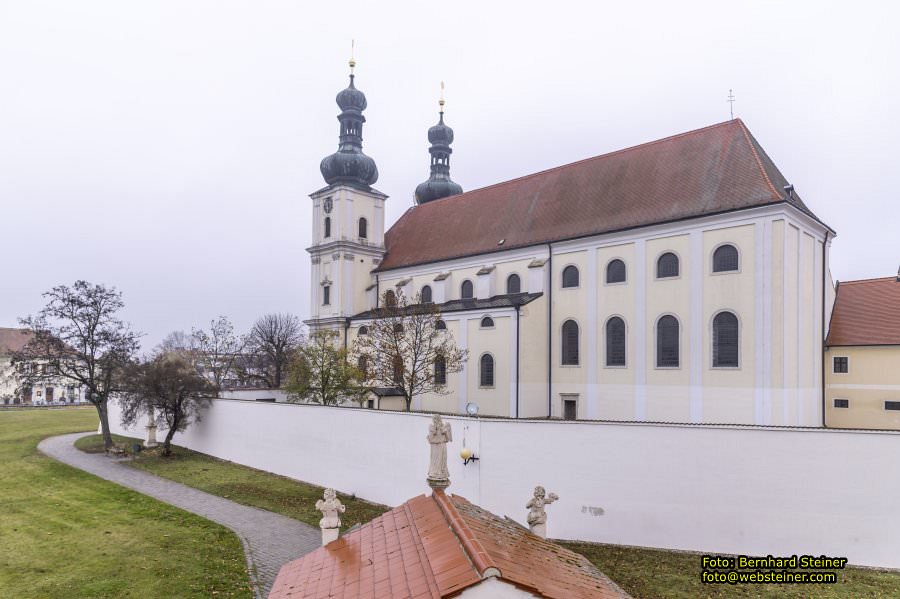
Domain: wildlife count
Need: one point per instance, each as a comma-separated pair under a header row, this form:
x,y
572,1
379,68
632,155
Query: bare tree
x,y
272,342
217,350
405,348
168,388
320,372
79,337
176,341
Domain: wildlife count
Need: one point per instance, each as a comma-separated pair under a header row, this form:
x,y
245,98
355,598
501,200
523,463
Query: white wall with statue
x,y
728,489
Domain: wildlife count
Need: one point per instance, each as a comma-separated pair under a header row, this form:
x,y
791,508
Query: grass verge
x,y
66,533
241,484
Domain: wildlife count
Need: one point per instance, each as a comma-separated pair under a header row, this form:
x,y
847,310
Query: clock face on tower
x,y
329,203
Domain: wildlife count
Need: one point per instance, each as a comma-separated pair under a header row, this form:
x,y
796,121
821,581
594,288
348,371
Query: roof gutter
x,y
824,398
550,330
518,353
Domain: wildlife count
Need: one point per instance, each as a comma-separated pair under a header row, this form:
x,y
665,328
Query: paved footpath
x,y
270,540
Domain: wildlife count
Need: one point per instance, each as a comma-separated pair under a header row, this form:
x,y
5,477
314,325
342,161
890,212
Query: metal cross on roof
x,y
731,102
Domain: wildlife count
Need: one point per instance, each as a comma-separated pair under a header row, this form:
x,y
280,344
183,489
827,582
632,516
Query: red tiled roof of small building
x,y
435,547
866,312
13,339
716,169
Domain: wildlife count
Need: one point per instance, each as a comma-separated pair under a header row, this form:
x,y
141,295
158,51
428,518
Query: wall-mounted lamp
x,y
467,456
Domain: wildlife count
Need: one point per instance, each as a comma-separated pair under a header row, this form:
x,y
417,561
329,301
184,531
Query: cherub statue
x,y
537,515
439,434
330,508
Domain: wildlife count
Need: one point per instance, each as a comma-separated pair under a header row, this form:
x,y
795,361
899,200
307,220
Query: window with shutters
x,y
615,342
667,266
570,343
570,277
725,341
667,345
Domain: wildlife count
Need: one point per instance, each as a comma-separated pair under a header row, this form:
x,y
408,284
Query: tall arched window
x,y
363,366
725,340
398,369
513,284
425,295
363,228
615,271
467,290
615,342
390,298
667,342
570,343
570,276
440,371
327,226
725,258
667,266
440,325
487,370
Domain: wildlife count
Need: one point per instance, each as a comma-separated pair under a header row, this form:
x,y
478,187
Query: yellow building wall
x,y
873,377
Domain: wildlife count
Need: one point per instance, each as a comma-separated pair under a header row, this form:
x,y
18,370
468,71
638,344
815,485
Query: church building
x,y
681,280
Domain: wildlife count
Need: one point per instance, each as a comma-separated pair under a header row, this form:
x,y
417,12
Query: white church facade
x,y
682,280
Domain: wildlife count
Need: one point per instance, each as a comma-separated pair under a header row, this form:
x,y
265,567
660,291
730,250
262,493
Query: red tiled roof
x,y
435,547
13,339
866,312
716,169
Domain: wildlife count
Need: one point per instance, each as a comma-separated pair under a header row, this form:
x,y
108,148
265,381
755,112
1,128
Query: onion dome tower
x,y
439,185
349,165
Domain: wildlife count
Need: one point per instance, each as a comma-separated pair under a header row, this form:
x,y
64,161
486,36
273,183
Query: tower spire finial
x,y
441,102
731,102
352,59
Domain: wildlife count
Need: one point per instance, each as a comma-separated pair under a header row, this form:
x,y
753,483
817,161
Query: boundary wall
x,y
722,489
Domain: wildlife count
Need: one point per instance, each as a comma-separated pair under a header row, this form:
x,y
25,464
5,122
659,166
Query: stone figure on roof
x,y
537,515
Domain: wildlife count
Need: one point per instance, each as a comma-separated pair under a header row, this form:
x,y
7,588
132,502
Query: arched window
x,y
363,228
487,370
487,322
390,298
570,276
615,271
363,330
363,366
667,342
513,284
725,340
425,295
398,369
327,226
570,343
615,342
667,266
440,371
725,258
440,325
467,290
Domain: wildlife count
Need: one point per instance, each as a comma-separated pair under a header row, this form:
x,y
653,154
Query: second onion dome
x,y
439,184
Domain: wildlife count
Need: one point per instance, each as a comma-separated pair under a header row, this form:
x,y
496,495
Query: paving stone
x,y
270,540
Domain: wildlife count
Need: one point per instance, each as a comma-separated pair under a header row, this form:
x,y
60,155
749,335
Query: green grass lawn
x,y
66,534
644,573
244,485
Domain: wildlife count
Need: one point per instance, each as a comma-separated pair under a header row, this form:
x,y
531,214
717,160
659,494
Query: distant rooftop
x,y
866,312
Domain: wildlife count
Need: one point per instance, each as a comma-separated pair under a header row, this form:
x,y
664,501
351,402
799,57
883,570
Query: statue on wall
x,y
330,523
439,434
537,515
151,430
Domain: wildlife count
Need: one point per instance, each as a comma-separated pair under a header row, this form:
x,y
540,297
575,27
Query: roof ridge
x,y
477,554
597,157
759,163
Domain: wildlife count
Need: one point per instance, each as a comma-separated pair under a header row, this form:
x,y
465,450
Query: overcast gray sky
x,y
168,147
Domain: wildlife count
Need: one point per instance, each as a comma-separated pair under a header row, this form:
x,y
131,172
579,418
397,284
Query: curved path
x,y
270,540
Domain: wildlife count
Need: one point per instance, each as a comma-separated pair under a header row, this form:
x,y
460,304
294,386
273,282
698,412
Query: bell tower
x,y
348,222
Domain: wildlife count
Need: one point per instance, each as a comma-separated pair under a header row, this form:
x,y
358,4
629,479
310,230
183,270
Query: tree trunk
x,y
167,444
104,423
408,402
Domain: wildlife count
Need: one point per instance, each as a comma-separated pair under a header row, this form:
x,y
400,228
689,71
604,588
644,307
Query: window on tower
x,y
326,295
327,226
363,228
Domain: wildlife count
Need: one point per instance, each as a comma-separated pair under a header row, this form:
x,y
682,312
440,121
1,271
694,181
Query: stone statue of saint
x,y
537,515
439,434
330,508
